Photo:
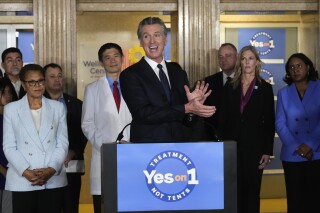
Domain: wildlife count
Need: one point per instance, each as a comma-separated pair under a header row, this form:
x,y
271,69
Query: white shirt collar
x,y
225,77
154,67
154,64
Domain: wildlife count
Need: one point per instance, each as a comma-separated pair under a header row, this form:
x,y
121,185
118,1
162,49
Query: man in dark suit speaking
x,y
156,92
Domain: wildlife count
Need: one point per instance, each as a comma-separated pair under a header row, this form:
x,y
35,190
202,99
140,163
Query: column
x,y
55,37
198,37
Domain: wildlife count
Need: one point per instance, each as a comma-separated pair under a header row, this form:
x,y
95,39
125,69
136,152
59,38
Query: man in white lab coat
x,y
104,113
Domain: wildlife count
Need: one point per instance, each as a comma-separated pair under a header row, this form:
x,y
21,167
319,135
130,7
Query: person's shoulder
x,y
212,77
134,66
175,69
71,98
55,105
264,86
315,82
264,83
283,92
173,64
284,89
95,83
50,101
13,105
6,78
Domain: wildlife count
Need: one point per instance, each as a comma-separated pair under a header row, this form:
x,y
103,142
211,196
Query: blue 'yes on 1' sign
x,y
170,176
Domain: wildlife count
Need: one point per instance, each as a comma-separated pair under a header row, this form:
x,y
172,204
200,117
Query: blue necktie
x,y
165,83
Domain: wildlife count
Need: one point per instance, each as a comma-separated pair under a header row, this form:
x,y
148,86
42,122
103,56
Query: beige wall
x,y
95,29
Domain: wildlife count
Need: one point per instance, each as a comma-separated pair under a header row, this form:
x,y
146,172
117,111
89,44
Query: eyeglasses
x,y
34,83
295,67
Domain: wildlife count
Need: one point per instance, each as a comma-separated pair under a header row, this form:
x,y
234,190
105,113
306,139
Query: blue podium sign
x,y
197,177
170,176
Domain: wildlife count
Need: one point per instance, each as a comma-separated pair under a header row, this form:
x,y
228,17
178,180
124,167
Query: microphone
x,y
216,138
120,135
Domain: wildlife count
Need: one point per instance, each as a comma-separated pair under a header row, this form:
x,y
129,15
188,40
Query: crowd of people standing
x,y
44,129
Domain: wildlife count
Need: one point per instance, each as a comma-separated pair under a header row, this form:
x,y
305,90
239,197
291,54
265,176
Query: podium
x,y
198,177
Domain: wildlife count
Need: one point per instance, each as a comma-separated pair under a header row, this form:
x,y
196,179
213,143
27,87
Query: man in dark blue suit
x,y
227,58
77,140
156,92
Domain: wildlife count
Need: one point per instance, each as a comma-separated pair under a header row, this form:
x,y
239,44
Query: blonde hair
x,y
238,69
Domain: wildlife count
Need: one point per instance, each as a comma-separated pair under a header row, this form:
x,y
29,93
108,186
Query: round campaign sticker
x,y
171,176
267,75
263,42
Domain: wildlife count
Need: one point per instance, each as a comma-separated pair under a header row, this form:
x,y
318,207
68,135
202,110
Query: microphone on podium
x,y
120,135
215,135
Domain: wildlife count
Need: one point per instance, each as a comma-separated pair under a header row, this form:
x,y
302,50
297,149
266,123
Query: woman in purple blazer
x,y
298,126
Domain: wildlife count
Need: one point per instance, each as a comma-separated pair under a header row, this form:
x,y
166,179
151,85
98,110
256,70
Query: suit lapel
x,y
150,76
178,78
27,122
309,92
235,98
308,97
220,80
171,75
294,96
46,120
254,96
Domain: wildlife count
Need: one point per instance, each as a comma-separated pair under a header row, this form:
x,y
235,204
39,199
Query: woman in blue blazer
x,y
298,126
35,142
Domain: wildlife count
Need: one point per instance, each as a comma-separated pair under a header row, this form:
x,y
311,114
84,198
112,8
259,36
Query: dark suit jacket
x,y
77,140
154,119
15,96
214,99
253,129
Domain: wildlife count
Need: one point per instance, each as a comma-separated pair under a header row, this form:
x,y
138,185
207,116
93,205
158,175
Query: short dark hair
x,y
229,44
10,50
30,68
313,74
150,21
52,65
108,46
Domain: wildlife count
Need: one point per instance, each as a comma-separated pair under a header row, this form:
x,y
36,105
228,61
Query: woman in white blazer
x,y
35,143
101,120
